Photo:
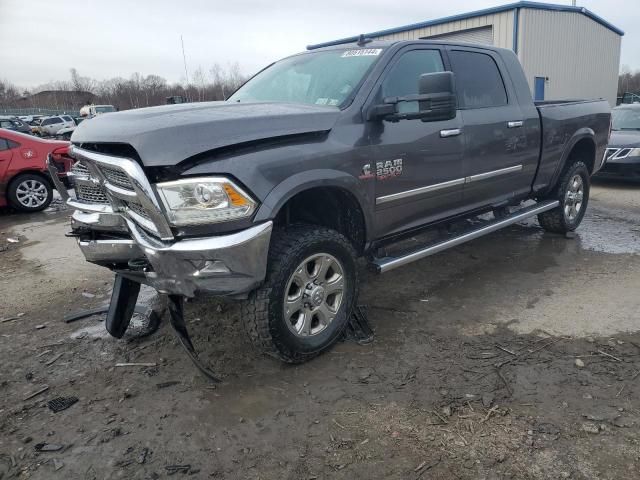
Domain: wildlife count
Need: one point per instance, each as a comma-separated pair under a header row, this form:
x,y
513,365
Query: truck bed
x,y
563,124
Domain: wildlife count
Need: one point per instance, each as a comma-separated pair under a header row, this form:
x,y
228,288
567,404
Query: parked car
x,y
51,125
90,111
622,157
25,183
14,123
65,133
35,126
322,158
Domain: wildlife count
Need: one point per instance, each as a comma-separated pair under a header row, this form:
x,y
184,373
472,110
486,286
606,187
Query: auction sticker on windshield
x,y
362,52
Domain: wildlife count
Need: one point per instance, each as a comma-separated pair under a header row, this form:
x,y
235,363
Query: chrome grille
x,y
116,177
136,208
617,153
89,194
125,183
80,169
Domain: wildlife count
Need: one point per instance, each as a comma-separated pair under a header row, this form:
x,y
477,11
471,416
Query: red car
x,y
25,183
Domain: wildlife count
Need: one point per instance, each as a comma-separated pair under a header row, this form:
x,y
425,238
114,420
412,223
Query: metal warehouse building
x,y
567,52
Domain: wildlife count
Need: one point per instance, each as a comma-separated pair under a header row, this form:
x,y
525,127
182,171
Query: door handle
x,y
454,132
517,124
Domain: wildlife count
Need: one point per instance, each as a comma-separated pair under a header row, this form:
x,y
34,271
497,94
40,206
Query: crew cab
x,y
320,159
25,183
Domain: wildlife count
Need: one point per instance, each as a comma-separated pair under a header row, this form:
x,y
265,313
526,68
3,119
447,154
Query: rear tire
x,y
305,302
29,192
572,191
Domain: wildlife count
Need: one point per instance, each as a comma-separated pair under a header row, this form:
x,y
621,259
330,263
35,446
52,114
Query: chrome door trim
x,y
493,173
447,184
418,191
453,132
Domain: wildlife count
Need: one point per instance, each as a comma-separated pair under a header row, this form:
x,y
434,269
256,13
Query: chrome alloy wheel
x,y
573,199
32,193
314,294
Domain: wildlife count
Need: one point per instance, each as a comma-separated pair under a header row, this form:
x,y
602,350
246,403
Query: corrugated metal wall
x,y
482,36
502,29
580,57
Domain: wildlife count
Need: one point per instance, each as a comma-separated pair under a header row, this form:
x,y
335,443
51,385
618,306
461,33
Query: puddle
x,y
608,234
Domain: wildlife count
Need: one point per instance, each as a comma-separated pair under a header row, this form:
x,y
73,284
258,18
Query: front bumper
x,y
112,234
628,167
228,265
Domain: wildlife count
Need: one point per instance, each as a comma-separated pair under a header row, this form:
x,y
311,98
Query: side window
x,y
57,120
6,124
478,80
11,144
4,145
68,119
404,75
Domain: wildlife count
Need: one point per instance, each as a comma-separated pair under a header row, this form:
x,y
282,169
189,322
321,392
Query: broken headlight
x,y
204,200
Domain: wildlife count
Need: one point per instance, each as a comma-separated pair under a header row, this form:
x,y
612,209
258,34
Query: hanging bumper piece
x,y
176,312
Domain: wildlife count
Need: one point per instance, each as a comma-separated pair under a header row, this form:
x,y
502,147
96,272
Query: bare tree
x,y
137,91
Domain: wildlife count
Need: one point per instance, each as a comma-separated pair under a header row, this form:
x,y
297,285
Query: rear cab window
x,y
479,83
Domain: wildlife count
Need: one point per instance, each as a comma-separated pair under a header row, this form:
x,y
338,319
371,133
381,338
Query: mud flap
x,y
122,306
176,312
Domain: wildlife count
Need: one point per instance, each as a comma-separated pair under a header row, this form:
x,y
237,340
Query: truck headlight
x,y
204,200
635,152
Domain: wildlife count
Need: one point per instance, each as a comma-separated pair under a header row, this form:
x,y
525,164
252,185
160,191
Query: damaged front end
x,y
121,223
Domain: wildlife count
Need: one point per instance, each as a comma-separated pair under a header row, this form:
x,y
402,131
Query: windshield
x,y
626,118
318,78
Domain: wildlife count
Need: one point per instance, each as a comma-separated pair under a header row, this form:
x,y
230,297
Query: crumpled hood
x,y
624,138
169,134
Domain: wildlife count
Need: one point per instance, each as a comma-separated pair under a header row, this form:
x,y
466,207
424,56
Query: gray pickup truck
x,y
320,159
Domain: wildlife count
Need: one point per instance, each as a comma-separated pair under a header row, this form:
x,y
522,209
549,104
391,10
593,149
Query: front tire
x,y
29,192
572,191
308,295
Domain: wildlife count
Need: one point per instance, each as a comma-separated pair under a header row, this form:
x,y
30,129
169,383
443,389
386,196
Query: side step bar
x,y
386,264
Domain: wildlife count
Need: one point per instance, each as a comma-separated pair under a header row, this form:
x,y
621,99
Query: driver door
x,y
417,165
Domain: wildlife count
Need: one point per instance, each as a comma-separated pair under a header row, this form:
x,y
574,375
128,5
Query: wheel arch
x,y
583,142
315,196
32,171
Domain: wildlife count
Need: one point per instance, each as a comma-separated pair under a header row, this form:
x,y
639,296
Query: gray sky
x,y
42,39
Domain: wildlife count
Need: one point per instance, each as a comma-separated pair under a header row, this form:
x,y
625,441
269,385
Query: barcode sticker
x,y
363,52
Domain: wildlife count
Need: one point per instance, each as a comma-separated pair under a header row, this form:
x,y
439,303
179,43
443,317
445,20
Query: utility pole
x,y
184,59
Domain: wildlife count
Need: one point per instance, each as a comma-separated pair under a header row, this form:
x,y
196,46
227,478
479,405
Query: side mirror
x,y
436,101
439,99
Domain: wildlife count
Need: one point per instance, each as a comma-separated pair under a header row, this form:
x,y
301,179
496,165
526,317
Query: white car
x,y
51,125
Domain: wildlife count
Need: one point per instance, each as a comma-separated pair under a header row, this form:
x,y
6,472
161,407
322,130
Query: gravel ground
x,y
514,356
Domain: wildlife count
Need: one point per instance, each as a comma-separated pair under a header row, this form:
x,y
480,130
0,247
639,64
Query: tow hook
x,y
176,312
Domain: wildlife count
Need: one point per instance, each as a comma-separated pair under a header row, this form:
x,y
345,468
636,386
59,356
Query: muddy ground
x,y
514,356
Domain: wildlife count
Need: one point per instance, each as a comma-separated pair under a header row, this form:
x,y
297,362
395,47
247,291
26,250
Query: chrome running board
x,y
386,264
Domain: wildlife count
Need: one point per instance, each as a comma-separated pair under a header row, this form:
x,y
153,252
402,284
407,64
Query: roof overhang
x,y
478,13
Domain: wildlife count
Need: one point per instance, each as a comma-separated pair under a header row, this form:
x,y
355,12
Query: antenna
x,y
184,59
362,41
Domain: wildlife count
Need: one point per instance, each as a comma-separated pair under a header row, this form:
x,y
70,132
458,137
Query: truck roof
x,y
399,43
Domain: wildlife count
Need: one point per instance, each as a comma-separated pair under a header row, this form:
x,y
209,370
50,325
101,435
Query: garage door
x,y
483,36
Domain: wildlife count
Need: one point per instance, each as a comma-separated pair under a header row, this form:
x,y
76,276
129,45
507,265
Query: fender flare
x,y
579,135
291,186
